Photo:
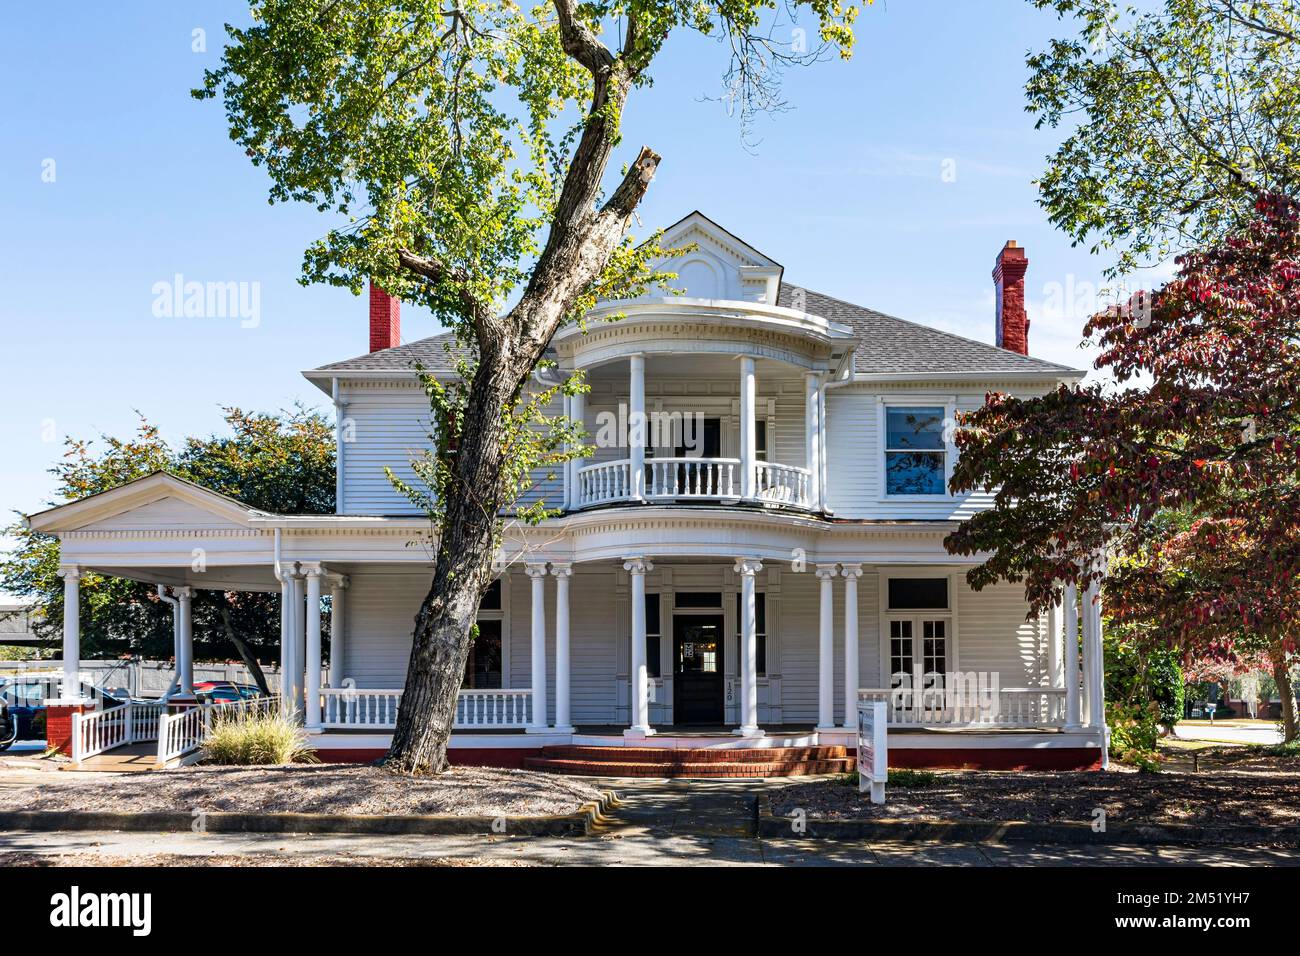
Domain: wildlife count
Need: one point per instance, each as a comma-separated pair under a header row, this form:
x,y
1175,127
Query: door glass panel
x,y
697,651
483,668
902,657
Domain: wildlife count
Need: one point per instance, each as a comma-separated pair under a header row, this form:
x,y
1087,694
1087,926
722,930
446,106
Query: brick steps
x,y
660,762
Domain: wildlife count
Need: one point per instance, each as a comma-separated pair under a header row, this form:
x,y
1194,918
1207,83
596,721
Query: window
x,y
760,621
483,667
491,600
652,633
916,455
697,599
760,439
918,594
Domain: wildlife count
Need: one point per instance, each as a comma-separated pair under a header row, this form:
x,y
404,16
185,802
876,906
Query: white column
x,y
578,412
338,635
851,574
640,727
636,430
1053,625
1070,604
185,664
1085,648
562,573
822,471
537,573
71,689
1093,657
286,638
826,649
312,692
748,568
748,428
812,436
300,643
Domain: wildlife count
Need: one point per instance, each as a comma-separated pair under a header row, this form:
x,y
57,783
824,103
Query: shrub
x,y
1138,672
257,738
1134,733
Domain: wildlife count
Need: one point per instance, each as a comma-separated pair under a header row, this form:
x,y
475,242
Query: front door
x,y
697,669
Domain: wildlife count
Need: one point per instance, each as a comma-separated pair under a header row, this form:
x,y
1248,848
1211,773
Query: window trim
x,y
763,634
883,403
887,614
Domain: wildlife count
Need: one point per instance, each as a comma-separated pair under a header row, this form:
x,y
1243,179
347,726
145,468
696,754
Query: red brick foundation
x,y
58,725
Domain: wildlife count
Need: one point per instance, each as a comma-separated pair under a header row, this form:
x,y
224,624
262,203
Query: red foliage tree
x,y
1202,424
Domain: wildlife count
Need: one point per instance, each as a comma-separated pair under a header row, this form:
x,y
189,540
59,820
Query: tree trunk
x,y
1282,678
245,653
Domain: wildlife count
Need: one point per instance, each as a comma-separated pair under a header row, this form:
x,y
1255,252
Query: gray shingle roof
x,y
891,345
886,345
437,353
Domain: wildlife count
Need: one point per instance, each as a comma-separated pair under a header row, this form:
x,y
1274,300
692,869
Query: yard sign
x,y
873,750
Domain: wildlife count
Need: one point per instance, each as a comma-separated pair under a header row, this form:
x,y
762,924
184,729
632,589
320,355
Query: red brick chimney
x,y
385,319
1009,278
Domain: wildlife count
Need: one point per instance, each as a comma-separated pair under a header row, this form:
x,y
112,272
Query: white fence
x,y
142,678
349,708
950,707
177,734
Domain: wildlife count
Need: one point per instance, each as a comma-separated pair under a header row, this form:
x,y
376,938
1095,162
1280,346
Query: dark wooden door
x,y
697,669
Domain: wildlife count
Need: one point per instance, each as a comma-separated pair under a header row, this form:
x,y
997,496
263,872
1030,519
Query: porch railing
x,y
785,484
692,478
136,722
351,708
948,707
182,733
100,730
686,477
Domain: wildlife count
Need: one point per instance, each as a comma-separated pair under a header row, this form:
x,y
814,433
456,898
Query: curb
x,y
1019,831
579,823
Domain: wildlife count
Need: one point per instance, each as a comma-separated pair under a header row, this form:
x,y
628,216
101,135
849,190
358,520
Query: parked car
x,y
22,710
224,691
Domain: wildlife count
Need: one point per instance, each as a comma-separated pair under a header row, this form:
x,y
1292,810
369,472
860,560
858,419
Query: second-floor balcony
x,y
688,479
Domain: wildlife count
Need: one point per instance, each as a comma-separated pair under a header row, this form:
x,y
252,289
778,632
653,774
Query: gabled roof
x,y
437,353
889,345
140,493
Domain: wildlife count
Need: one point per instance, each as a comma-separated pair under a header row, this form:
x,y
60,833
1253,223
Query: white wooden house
x,y
767,551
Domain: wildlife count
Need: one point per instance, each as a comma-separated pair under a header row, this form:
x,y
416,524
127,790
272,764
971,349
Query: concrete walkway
x,y
661,823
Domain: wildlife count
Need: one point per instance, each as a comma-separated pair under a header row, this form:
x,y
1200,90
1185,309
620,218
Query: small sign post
x,y
873,749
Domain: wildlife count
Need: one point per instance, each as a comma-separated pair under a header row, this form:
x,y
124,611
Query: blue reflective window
x,y
915,451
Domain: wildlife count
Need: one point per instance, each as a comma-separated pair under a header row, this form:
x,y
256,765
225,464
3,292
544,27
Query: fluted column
x,y
851,574
640,691
537,574
826,648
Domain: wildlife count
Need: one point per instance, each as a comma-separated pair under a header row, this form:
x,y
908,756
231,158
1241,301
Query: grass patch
x,y
901,777
1278,750
247,739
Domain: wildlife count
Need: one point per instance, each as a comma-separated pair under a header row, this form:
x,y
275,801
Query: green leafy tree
x,y
1181,116
281,463
467,146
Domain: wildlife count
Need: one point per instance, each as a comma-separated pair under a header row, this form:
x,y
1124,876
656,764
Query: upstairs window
x,y
916,454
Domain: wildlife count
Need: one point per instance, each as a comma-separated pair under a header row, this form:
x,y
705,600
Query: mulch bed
x,y
309,788
1256,790
252,859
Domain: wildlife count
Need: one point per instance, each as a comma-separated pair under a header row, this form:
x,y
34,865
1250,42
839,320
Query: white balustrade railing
x,y
692,478
786,484
184,732
605,482
687,477
100,730
144,719
939,706
493,708
354,708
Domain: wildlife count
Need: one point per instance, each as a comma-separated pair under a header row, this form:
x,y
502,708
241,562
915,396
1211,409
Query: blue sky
x,y
847,190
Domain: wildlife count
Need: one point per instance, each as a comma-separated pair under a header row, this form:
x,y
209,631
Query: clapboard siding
x,y
390,427
855,483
